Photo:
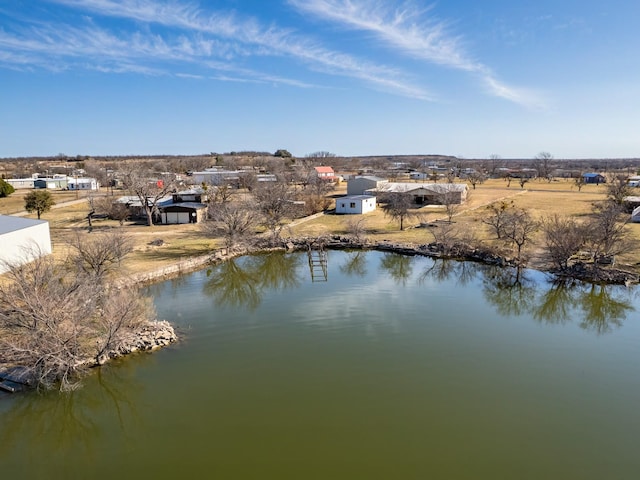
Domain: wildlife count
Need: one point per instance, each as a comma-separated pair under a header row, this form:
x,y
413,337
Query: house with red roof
x,y
326,173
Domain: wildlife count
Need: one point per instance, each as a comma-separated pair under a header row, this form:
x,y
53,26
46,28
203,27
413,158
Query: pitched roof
x,y
324,169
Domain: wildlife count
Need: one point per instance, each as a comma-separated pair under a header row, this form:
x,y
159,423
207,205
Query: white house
x,y
356,204
22,240
635,216
82,183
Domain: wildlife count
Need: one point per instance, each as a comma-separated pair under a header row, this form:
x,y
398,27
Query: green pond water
x,y
394,368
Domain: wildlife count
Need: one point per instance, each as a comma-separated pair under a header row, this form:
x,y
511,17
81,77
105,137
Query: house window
x,y
352,205
343,205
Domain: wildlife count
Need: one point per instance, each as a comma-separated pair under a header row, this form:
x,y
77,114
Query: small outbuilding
x,y
596,178
356,204
22,240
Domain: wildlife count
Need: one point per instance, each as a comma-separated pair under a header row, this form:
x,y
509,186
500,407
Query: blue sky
x,y
353,77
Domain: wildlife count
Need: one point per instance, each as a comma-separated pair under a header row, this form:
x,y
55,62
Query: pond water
x,y
394,367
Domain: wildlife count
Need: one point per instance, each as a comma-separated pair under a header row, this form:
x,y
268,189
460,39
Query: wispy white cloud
x,y
414,32
247,37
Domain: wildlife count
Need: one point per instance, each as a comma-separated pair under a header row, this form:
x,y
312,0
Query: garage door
x,y
183,217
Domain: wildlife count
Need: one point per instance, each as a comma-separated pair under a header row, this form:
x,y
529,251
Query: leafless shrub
x,y
356,228
97,254
518,229
497,216
235,222
564,237
54,321
606,231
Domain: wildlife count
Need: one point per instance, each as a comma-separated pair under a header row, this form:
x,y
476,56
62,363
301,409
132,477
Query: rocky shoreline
x,y
582,271
151,336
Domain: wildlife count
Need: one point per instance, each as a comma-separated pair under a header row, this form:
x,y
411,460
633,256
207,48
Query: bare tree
x,y
508,177
475,178
99,253
149,188
235,222
452,205
321,155
606,232
519,229
617,189
53,321
446,235
497,217
579,182
274,202
356,228
564,237
492,165
542,163
398,206
123,313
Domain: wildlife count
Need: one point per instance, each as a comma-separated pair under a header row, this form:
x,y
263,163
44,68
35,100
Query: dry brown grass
x,y
181,242
14,203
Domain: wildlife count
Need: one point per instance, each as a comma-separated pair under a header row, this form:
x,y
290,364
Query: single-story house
x,y
426,193
137,210
356,204
82,183
22,240
359,184
635,215
594,178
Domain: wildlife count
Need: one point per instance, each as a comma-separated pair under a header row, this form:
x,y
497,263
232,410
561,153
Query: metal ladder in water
x,y
317,263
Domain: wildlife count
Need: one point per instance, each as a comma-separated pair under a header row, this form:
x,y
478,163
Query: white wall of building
x,y
356,204
22,240
83,184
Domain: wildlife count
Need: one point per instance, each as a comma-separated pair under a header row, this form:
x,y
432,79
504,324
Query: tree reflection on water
x,y
241,283
399,267
61,424
355,264
512,291
602,307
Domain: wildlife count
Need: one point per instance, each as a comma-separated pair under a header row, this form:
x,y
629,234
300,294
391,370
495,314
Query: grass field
x,y
180,242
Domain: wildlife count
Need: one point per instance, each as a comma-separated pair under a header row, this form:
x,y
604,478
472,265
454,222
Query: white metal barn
x,y
356,204
22,240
